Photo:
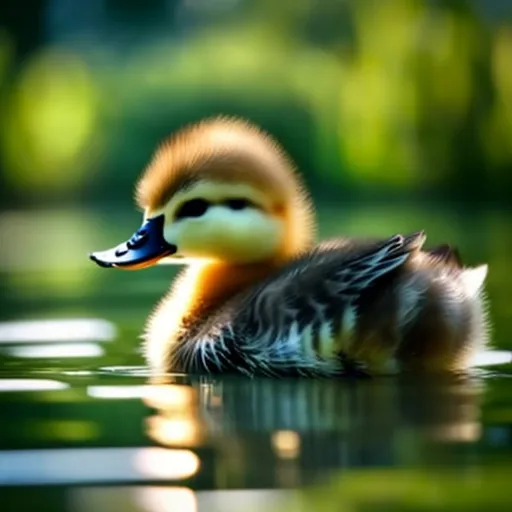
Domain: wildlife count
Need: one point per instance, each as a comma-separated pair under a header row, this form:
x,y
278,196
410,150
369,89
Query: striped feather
x,y
300,321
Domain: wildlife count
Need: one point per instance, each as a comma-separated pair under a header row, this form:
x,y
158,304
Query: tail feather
x,y
447,254
474,278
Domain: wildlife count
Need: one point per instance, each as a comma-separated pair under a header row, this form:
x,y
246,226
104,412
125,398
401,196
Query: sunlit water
x,y
84,427
85,437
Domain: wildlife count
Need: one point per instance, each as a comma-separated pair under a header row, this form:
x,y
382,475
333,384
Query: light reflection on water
x,y
57,330
64,350
229,433
177,499
95,465
13,385
97,424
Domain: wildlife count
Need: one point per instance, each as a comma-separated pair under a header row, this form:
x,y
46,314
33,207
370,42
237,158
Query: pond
x,y
84,428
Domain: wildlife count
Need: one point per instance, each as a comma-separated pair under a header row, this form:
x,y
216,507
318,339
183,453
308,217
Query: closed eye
x,y
192,208
238,203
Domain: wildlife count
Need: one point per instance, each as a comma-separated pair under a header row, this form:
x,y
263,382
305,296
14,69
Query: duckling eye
x,y
192,208
238,204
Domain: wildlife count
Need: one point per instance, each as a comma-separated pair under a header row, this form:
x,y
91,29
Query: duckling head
x,y
218,190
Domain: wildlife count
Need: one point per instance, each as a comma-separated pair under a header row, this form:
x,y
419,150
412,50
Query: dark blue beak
x,y
146,246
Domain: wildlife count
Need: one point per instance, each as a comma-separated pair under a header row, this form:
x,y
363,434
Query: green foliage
x,y
397,96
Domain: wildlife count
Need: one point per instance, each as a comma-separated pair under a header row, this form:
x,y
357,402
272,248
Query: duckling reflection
x,y
319,424
446,409
259,297
178,421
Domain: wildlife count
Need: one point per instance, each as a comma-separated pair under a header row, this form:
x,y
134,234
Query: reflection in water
x,y
178,422
9,385
72,466
55,339
54,351
159,499
68,330
286,444
176,499
305,427
164,464
134,499
247,500
251,435
117,392
333,406
229,432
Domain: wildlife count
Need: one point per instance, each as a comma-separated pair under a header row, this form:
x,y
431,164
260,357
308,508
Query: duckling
x,y
259,297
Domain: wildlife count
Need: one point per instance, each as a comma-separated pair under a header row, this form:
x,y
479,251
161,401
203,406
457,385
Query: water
x,y
109,440
84,427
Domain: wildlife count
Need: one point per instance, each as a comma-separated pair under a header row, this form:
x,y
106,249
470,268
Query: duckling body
x,y
259,297
345,307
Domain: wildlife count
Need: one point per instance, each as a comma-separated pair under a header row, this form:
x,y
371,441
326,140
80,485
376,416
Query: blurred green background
x,y
397,112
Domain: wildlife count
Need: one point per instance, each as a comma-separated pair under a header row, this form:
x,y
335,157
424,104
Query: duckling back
x,y
345,307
